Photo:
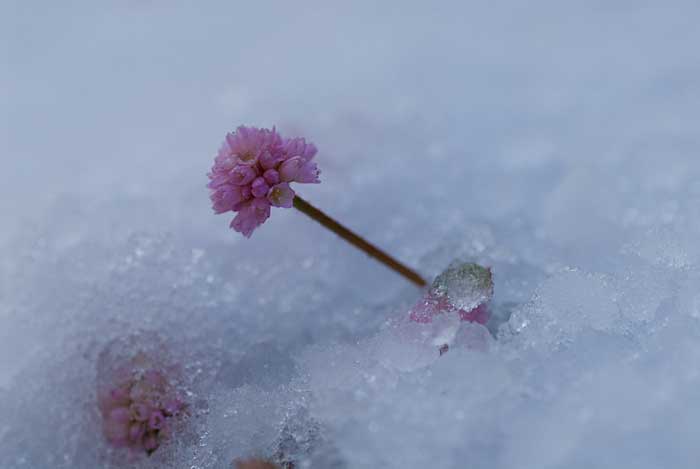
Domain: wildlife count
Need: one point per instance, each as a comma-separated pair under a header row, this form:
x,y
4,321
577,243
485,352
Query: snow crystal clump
x,y
465,285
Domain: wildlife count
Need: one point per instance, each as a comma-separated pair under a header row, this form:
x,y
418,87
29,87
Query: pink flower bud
x,y
271,176
308,173
226,197
298,147
289,169
269,159
251,215
136,432
281,195
259,187
242,175
120,414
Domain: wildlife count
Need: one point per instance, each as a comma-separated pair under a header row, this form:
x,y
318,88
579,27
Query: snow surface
x,y
557,142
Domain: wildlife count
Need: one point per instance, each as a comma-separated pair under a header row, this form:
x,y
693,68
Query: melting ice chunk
x,y
464,285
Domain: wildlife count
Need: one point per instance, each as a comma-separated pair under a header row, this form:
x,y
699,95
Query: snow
x,y
555,142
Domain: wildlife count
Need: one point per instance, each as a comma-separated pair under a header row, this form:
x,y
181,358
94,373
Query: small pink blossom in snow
x,y
138,409
252,173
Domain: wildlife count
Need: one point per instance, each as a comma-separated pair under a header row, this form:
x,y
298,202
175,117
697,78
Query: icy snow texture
x,y
464,285
557,142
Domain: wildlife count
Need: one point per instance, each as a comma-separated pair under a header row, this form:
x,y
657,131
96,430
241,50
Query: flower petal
x,y
120,414
226,197
308,173
241,175
281,195
136,431
298,147
251,215
289,169
272,176
270,159
259,187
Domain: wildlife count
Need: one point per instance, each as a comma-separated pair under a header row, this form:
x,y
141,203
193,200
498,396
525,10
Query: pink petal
x,y
261,208
225,198
298,147
289,169
308,173
480,314
251,215
120,414
231,139
217,180
136,431
428,307
259,187
271,176
270,159
309,152
281,195
241,175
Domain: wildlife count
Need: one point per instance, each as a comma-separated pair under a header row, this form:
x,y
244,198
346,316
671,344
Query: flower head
x,y
252,172
138,408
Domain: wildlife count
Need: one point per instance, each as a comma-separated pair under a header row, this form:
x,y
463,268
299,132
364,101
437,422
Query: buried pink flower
x,y
252,173
138,409
430,306
463,288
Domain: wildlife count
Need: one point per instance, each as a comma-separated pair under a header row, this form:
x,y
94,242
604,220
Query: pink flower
x,y
139,408
252,172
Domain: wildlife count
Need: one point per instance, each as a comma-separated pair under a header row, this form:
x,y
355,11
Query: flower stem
x,y
357,241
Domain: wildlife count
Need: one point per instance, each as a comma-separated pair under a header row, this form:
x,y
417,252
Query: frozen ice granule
x,y
464,285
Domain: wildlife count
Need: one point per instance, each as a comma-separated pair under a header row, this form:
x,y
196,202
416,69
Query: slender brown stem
x,y
352,238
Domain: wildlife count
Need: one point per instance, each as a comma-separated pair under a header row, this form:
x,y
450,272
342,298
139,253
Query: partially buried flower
x,y
463,288
139,406
252,173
